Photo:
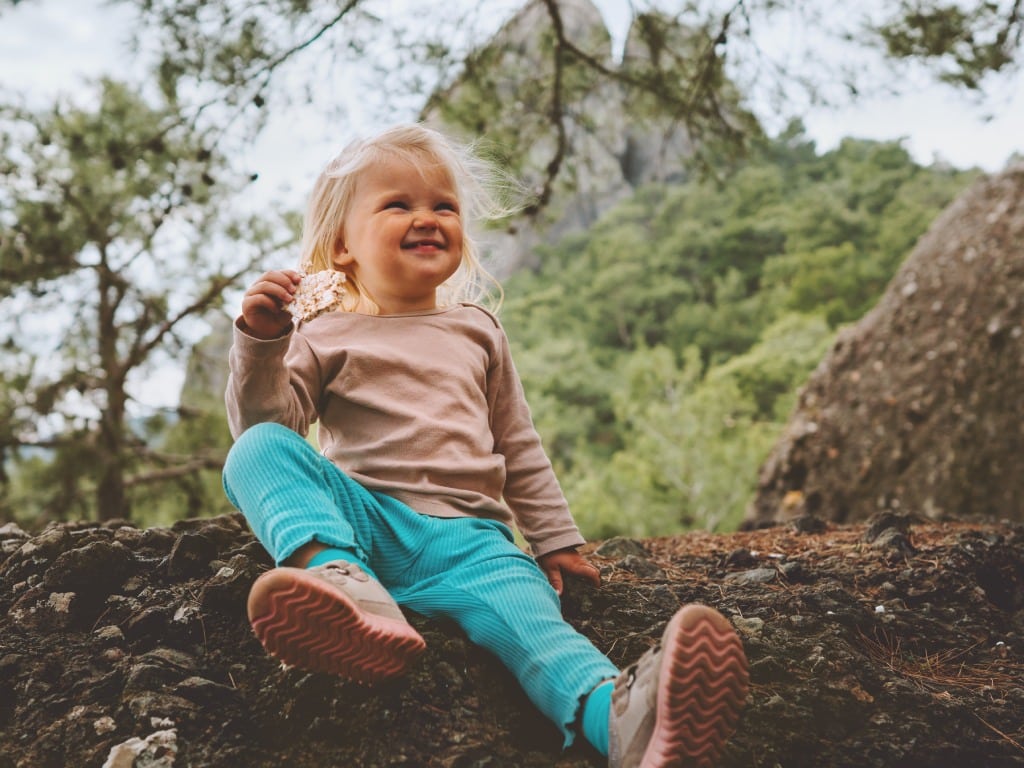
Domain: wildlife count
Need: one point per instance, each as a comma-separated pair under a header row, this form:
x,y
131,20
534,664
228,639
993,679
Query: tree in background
x,y
199,430
115,242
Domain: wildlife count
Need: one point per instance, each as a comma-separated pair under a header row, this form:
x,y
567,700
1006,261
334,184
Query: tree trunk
x,y
110,493
110,499
112,443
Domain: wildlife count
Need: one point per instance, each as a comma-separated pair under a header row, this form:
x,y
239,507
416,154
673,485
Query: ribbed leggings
x,y
465,569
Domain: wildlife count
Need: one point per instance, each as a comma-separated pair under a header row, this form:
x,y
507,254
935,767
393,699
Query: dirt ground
x,y
893,643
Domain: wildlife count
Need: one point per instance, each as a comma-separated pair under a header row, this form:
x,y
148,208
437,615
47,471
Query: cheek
x,y
459,245
454,233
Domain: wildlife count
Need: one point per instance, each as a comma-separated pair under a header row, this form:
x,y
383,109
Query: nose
x,y
424,220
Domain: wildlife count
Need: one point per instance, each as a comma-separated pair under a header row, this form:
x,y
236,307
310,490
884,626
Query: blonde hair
x,y
479,188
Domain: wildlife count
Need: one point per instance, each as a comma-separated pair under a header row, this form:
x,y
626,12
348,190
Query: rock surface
x,y
895,643
612,147
918,407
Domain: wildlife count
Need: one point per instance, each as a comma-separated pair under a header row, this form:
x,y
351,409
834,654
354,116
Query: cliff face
x,y
919,406
882,645
611,147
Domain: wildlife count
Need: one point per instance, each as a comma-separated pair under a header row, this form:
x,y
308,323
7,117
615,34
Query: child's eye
x,y
397,204
447,207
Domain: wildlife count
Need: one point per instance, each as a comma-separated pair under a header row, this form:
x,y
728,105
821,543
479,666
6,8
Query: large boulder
x,y
920,406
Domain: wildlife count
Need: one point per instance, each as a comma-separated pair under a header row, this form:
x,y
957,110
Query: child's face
x,y
402,236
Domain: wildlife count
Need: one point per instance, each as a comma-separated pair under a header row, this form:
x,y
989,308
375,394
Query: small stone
x,y
621,547
109,635
741,558
885,521
642,567
46,545
61,601
10,546
748,626
792,570
104,725
892,539
12,530
158,750
755,576
808,524
191,555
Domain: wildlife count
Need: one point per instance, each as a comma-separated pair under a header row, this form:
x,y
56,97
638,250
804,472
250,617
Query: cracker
x,y
318,293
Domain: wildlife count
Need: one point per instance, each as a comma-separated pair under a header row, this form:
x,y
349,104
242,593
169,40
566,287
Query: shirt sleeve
x,y
271,381
531,490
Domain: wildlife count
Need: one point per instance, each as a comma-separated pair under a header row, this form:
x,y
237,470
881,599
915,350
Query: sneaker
x,y
678,705
333,618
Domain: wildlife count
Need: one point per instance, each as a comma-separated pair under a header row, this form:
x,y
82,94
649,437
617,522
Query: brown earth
x,y
899,643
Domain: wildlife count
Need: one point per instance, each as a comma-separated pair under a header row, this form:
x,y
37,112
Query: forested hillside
x,y
662,350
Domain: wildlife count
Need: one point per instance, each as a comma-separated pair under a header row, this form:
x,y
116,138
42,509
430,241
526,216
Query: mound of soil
x,y
918,407
895,643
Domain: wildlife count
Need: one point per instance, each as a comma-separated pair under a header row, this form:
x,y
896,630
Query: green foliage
x,y
41,489
198,441
965,42
767,376
663,349
77,178
690,440
108,220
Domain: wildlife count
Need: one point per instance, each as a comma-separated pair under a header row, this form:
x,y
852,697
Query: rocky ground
x,y
894,643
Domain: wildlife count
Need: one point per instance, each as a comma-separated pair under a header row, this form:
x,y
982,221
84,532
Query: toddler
x,y
429,458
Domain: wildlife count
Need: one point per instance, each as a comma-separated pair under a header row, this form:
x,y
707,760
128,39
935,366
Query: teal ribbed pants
x,y
465,569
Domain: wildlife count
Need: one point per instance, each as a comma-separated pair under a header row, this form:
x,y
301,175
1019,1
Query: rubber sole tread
x,y
307,624
703,684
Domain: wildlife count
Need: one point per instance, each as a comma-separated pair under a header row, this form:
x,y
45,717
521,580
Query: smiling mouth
x,y
423,244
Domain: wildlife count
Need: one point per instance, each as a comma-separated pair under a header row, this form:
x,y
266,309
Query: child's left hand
x,y
569,562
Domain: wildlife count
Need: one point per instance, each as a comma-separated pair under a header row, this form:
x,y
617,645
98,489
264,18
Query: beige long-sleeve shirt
x,y
426,407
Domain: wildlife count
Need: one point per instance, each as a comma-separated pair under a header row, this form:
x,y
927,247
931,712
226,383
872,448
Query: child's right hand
x,y
263,306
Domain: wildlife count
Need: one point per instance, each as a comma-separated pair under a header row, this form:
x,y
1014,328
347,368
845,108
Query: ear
x,y
341,258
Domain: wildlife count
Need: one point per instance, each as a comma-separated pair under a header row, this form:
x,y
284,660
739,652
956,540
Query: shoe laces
x,y
629,674
343,569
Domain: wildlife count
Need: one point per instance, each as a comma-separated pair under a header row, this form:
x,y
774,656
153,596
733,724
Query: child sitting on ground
x,y
429,457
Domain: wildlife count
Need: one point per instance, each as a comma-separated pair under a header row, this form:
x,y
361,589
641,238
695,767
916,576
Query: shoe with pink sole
x,y
333,618
679,704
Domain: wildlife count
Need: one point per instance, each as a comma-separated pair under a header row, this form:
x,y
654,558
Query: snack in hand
x,y
318,292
